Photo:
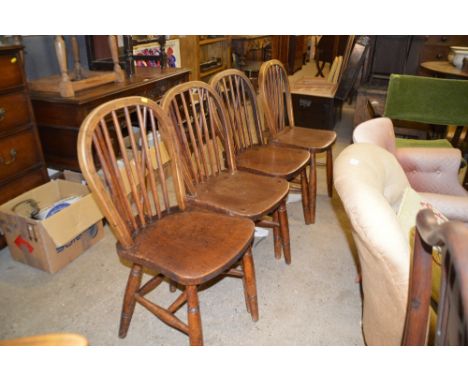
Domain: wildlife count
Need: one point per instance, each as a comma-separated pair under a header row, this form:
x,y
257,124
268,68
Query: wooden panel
x,y
22,184
18,152
11,72
14,111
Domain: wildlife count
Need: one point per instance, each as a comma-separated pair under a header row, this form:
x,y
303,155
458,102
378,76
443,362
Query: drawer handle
x,y
439,56
2,113
11,160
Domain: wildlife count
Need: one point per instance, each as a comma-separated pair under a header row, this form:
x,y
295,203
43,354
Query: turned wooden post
x,y
78,72
65,86
119,74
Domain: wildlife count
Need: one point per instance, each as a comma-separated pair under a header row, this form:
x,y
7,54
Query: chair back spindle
x,y
201,130
239,99
122,160
275,96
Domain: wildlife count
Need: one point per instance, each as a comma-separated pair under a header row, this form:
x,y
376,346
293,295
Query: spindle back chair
x,y
252,153
276,101
144,204
204,141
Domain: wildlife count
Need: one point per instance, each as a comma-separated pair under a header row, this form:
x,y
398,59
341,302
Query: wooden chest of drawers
x,y
437,48
22,165
59,119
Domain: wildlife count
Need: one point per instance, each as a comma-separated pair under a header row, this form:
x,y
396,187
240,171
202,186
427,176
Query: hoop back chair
x,y
152,225
275,98
206,155
452,314
251,151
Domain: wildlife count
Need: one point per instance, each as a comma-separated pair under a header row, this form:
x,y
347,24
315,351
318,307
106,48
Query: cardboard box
x,y
52,243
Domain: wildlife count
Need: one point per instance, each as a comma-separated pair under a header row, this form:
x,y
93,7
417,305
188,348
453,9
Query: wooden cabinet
x,y
290,50
22,164
59,119
205,55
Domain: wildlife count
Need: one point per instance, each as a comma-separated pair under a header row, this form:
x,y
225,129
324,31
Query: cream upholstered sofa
x,y
371,184
433,172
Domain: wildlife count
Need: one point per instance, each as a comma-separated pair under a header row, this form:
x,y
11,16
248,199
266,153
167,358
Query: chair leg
x,y
172,286
305,197
284,228
250,284
193,314
312,187
133,284
276,236
330,172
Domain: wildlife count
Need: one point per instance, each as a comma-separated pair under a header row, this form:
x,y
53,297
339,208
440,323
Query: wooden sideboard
x,y
59,119
22,164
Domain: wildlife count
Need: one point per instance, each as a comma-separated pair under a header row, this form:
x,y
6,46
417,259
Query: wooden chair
x,y
275,97
51,339
250,149
153,228
206,154
452,314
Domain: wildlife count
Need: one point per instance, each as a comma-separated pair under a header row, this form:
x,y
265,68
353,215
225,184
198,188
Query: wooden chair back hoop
x,y
132,190
199,120
451,238
275,96
240,101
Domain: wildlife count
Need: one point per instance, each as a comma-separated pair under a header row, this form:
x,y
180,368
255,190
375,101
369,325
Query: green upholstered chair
x,y
434,101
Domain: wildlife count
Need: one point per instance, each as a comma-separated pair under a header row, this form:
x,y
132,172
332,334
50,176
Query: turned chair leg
x,y
305,196
330,172
284,228
312,188
276,235
250,284
133,284
193,314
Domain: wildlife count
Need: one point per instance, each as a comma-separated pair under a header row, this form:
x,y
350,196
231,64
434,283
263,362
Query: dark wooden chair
x,y
275,97
251,151
452,313
154,230
206,155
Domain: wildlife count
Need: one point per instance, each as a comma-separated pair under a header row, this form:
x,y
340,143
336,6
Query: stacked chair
x,y
193,219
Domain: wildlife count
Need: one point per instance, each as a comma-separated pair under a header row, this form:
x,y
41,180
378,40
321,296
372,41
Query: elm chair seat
x,y
274,161
241,193
192,247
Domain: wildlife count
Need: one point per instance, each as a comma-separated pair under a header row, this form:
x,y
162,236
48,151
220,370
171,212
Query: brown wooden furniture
x,y
443,69
290,50
59,119
205,55
22,164
251,151
452,313
327,49
206,155
67,84
275,98
317,103
153,228
52,339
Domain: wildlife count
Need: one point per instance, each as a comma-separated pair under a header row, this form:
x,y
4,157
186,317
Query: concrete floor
x,y
313,301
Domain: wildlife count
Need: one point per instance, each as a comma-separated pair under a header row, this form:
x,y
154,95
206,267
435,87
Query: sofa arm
x,y
453,207
432,169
